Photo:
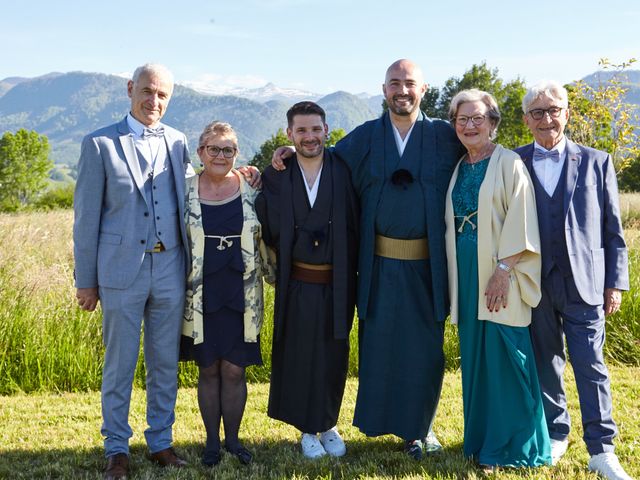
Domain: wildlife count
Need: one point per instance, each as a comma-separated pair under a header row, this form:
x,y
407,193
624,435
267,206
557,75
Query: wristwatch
x,y
505,267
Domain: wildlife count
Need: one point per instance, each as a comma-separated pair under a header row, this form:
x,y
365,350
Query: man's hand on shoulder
x,y
87,298
251,175
279,156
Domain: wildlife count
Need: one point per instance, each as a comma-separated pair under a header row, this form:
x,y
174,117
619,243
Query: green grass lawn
x,y
48,435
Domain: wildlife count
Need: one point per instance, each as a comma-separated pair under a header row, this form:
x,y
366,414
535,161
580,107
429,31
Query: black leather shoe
x,y
211,457
242,454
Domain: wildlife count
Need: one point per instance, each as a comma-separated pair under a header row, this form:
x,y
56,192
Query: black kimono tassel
x,y
402,178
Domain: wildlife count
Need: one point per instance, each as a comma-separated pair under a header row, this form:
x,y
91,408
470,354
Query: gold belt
x,y
400,249
157,248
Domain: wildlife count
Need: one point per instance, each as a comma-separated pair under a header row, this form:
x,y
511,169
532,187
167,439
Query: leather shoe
x,y
117,467
211,457
168,458
242,454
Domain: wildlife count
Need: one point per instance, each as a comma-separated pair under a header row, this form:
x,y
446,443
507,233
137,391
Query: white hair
x,y
547,88
152,68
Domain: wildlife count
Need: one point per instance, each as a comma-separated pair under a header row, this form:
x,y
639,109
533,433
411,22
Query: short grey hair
x,y
476,95
215,129
152,69
547,88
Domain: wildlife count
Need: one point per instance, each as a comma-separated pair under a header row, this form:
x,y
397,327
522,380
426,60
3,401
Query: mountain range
x,y
67,106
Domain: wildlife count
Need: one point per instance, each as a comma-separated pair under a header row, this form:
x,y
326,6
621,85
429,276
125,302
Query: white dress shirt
x,y
548,171
149,146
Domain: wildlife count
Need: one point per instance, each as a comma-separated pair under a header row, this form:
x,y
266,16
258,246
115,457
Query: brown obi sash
x,y
307,272
400,249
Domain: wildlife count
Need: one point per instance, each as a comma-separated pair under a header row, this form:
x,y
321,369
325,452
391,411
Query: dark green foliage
x,y
429,103
60,196
512,131
629,178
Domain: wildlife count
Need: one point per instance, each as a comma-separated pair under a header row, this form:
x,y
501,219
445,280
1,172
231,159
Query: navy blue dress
x,y
222,292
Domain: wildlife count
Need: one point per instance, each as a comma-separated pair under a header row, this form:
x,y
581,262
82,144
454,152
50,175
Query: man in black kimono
x,y
309,216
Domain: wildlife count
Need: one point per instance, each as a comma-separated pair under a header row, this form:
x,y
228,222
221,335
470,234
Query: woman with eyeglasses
x,y
493,254
224,301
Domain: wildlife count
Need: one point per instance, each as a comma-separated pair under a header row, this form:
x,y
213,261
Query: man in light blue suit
x,y
584,271
129,249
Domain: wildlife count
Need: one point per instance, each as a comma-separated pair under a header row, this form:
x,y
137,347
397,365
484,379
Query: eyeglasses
x,y
538,113
213,151
463,120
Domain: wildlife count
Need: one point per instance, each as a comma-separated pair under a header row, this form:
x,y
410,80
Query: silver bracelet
x,y
503,266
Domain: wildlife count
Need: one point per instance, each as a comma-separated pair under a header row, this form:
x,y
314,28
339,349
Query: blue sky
x,y
321,46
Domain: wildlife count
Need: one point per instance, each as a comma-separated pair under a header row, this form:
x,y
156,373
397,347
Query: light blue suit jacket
x,y
111,215
593,229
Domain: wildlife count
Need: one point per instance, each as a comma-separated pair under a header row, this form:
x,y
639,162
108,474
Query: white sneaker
x,y
558,449
333,443
607,465
311,446
431,443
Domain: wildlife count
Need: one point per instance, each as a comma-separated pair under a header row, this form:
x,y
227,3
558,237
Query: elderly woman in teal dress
x,y
493,255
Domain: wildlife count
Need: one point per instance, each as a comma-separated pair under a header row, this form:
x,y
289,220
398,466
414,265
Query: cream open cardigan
x,y
507,224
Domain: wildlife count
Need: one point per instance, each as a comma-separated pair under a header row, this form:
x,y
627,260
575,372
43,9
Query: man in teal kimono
x,y
400,166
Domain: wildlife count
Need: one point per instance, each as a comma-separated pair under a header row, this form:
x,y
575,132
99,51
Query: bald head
x,y
404,67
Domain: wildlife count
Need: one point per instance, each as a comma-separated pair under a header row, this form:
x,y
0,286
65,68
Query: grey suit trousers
x,y
155,299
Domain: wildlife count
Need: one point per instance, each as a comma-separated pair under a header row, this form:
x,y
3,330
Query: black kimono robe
x,y
310,353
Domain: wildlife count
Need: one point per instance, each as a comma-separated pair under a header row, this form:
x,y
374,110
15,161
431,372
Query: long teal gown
x,y
504,423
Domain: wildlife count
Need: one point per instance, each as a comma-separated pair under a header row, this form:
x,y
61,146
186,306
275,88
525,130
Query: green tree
x,y
601,118
262,159
512,131
335,136
24,168
429,103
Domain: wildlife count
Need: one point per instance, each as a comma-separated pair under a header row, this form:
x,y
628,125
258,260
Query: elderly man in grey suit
x,y
584,270
129,248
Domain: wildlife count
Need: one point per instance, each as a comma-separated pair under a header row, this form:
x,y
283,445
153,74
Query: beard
x,y
403,110
309,149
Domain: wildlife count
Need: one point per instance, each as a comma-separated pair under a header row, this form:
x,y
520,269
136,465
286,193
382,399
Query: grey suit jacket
x,y
593,230
111,216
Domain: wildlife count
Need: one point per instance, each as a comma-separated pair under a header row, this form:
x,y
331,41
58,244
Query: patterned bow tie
x,y
539,154
153,132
